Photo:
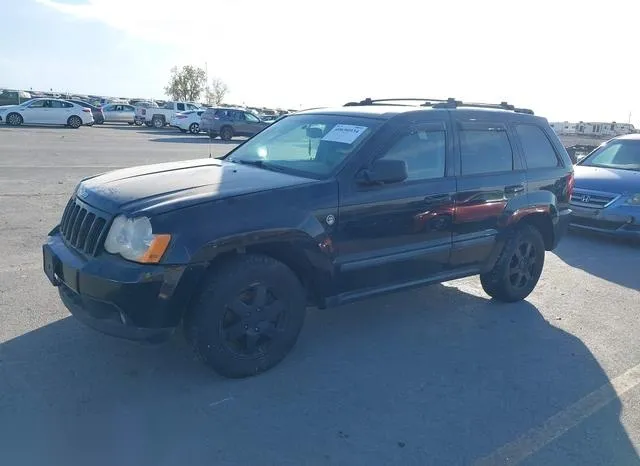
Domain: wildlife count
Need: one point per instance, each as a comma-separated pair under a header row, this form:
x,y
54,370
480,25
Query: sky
x,y
565,59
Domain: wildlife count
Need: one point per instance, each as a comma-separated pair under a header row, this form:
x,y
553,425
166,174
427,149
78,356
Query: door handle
x,y
514,189
437,198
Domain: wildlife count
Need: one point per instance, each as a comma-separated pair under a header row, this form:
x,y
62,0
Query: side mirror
x,y
384,171
314,132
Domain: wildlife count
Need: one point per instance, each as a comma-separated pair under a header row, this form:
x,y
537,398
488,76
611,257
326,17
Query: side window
x,y
180,107
485,151
191,107
424,153
57,104
130,108
251,118
537,149
37,104
69,105
238,116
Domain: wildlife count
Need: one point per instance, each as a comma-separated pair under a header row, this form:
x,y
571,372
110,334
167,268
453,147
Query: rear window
x,y
538,151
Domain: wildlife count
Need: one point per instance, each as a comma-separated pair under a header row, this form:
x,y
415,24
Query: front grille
x,y
592,199
82,228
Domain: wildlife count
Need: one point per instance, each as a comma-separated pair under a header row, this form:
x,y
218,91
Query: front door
x,y
390,235
36,112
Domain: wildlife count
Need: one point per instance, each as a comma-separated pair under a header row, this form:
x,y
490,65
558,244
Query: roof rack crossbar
x,y
441,103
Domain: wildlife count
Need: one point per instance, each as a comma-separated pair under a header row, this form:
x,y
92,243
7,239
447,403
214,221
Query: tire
x,y
182,130
148,124
518,268
226,133
130,123
247,317
212,135
74,121
158,122
194,128
14,119
138,123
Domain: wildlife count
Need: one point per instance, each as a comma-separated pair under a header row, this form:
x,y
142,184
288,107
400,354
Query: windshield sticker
x,y
344,133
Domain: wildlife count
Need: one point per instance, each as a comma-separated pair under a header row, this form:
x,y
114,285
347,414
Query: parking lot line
x,y
535,439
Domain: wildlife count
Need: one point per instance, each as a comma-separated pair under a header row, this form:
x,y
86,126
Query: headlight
x,y
634,199
134,240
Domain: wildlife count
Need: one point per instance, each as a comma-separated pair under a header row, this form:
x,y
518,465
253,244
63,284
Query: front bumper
x,y
117,297
616,220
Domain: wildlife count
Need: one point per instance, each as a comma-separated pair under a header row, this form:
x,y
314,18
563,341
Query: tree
x,y
217,93
187,83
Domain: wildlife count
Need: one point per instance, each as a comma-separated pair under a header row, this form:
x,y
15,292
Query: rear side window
x,y
485,151
538,151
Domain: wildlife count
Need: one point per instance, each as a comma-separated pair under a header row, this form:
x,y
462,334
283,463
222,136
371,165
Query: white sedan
x,y
46,112
187,121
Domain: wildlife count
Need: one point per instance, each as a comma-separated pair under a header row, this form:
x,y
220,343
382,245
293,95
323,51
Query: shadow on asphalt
x,y
602,257
428,377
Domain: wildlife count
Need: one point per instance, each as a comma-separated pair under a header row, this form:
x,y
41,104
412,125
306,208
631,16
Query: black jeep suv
x,y
321,208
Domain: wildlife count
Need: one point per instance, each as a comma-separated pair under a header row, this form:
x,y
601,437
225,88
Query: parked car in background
x,y
119,113
187,121
230,122
161,116
8,97
47,112
269,118
98,115
141,110
606,198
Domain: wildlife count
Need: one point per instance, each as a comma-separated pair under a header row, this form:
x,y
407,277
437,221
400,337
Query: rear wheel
x,y
194,128
518,269
226,133
148,124
248,316
158,122
74,122
138,123
14,119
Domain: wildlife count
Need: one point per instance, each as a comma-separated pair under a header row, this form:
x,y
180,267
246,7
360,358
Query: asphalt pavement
x,y
436,376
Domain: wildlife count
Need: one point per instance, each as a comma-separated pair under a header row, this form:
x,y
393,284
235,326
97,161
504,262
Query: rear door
x,y
399,233
60,112
490,176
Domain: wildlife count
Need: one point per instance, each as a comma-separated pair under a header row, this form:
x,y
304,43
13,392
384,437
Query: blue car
x,y
606,197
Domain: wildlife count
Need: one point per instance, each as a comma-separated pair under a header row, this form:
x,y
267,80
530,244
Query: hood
x,y
611,180
7,107
159,188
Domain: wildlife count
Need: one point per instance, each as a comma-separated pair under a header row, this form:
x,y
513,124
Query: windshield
x,y
312,145
619,153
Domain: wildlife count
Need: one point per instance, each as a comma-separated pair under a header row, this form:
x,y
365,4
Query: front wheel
x,y
148,124
247,317
130,123
518,269
14,119
74,122
158,122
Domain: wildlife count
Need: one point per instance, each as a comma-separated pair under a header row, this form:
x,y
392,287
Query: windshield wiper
x,y
258,163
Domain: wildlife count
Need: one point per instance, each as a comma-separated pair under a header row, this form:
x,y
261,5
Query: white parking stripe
x,y
514,452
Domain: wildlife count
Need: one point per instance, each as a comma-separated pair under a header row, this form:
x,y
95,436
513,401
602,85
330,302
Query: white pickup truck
x,y
159,117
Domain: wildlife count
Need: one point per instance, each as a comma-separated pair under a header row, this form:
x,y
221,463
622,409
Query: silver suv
x,y
230,122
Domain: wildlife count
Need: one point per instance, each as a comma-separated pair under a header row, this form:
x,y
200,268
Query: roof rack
x,y
439,103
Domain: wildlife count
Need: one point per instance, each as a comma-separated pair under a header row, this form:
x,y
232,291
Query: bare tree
x,y
217,93
187,83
